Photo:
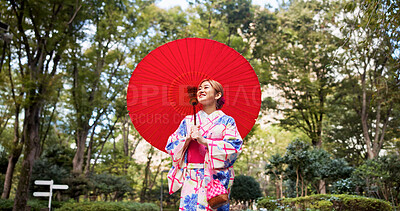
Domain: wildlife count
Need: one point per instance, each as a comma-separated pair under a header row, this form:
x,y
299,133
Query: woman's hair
x,y
218,89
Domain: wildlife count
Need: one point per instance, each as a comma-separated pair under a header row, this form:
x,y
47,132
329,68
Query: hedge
x,y
326,202
35,205
108,206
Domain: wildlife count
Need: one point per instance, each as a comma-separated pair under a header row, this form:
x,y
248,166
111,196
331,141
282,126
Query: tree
x,y
41,35
259,146
379,178
13,107
111,187
222,21
303,168
54,164
275,168
103,61
245,189
325,170
343,135
237,15
298,159
302,65
371,67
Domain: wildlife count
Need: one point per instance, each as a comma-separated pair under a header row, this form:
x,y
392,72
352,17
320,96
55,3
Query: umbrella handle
x,y
194,114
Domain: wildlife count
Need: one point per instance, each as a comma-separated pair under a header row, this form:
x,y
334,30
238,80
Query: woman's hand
x,y
195,134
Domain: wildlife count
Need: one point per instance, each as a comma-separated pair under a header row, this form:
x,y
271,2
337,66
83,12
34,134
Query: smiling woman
x,y
204,154
208,92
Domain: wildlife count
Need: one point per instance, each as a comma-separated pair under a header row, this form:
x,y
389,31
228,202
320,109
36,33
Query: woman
x,y
203,152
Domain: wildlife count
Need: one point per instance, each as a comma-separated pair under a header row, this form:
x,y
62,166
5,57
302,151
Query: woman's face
x,y
206,94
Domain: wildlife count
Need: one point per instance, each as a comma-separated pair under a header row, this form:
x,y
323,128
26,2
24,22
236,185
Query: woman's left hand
x,y
195,134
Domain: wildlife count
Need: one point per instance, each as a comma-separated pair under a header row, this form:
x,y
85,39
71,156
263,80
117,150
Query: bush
x,y
326,202
6,204
108,206
245,189
268,202
379,177
36,205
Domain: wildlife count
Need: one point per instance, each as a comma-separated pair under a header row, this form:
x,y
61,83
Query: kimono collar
x,y
214,114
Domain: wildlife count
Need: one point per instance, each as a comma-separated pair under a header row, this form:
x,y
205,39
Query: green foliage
x,y
245,189
268,202
275,166
379,178
55,163
111,186
78,185
35,204
300,60
3,161
326,202
302,167
372,93
6,204
344,186
108,206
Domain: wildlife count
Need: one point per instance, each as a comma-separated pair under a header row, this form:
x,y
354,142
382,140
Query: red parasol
x,y
157,97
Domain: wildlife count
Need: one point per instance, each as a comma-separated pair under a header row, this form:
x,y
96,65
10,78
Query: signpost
x,y
52,187
161,195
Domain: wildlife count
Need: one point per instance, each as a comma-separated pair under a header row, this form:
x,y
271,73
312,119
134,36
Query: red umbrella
x,y
157,96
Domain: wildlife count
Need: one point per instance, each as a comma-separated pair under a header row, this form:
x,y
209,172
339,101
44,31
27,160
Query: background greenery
x,y
329,121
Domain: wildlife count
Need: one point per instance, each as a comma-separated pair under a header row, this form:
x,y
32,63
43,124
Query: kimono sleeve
x,y
223,153
176,142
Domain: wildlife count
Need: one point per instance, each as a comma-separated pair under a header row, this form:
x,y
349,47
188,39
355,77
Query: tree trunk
x,y
77,162
32,145
297,182
125,135
88,157
12,161
277,189
302,186
146,181
14,156
281,185
364,117
306,189
322,187
89,151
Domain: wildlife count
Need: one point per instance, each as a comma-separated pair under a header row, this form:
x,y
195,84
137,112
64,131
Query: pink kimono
x,y
220,154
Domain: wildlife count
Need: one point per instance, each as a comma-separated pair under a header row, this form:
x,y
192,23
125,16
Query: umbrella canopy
x,y
157,98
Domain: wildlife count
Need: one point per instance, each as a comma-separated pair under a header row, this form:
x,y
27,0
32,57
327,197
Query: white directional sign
x,y
43,194
43,182
60,187
52,186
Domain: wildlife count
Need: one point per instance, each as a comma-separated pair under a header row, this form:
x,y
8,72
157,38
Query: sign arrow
x,y
61,187
43,182
43,194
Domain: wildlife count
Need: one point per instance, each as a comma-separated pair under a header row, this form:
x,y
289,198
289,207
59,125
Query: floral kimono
x,y
225,144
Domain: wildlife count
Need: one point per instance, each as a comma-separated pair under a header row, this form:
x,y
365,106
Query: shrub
x,y
245,189
6,204
108,206
36,205
326,202
268,202
322,205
